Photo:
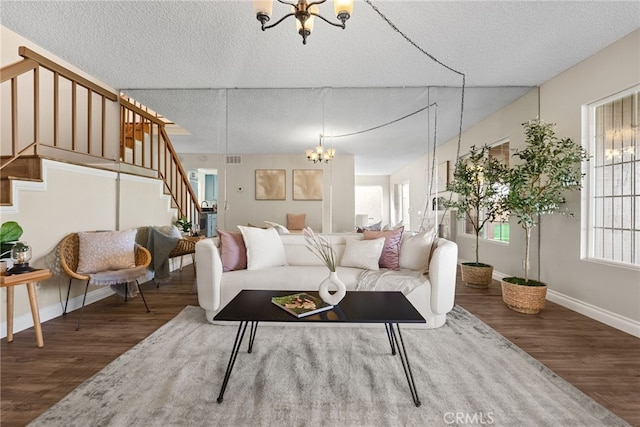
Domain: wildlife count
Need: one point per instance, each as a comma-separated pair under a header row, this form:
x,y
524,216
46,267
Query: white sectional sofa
x,y
431,294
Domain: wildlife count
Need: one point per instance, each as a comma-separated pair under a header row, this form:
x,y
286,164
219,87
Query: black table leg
x,y
402,351
390,336
252,335
234,353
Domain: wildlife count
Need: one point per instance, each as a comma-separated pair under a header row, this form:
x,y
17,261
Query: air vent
x,y
233,159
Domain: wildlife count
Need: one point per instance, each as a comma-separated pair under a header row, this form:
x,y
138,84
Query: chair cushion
x,y
264,248
363,253
390,257
106,250
232,250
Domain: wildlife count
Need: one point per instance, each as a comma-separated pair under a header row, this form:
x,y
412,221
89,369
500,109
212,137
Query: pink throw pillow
x,y
232,250
390,257
295,221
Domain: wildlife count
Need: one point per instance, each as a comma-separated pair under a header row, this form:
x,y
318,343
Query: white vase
x,y
330,282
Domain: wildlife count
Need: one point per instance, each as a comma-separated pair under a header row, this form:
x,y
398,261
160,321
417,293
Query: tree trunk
x,y
527,240
477,245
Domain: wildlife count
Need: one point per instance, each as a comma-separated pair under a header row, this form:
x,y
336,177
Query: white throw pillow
x,y
281,229
264,247
415,250
106,250
363,253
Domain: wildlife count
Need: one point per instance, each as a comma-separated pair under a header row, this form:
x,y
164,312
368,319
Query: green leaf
x,y
10,232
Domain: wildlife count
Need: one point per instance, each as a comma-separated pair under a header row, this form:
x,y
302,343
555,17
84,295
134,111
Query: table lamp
x,y
20,255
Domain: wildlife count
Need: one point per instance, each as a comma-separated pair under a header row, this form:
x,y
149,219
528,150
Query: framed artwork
x,y
307,184
443,176
271,184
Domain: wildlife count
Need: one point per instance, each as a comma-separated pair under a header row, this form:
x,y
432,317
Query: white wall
x,y
335,213
607,293
10,41
70,199
382,181
610,288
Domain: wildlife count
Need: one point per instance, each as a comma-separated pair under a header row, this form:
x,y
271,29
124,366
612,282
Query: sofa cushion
x,y
295,246
363,253
290,277
373,227
296,221
281,229
106,250
264,248
415,250
233,252
390,257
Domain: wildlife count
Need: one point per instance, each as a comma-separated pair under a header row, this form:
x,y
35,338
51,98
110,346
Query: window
x,y
613,203
497,230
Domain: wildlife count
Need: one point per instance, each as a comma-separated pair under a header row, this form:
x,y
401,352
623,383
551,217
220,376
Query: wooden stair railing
x,y
147,144
83,127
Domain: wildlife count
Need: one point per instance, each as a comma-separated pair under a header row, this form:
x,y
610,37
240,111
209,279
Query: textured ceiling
x,y
179,57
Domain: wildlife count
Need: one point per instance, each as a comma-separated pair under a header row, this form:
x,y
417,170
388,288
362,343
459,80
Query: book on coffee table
x,y
301,304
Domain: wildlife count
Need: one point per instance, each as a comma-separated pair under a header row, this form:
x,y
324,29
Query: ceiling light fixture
x,y
320,155
304,13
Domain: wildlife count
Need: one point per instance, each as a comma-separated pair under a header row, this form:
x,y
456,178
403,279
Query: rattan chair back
x,y
70,256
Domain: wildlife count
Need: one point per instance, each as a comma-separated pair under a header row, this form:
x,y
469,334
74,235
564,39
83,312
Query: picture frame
x,y
271,184
307,184
443,176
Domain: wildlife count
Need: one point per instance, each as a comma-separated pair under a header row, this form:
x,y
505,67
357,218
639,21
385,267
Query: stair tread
x,y
19,178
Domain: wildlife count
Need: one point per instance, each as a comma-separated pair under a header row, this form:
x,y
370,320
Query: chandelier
x,y
304,12
319,154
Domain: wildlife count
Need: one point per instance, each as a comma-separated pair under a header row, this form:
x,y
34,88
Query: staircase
x,y
24,168
87,124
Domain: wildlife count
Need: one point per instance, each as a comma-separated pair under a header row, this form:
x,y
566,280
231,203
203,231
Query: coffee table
x,y
390,308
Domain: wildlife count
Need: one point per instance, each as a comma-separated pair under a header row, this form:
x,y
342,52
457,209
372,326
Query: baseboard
x,y
25,321
498,276
609,318
614,320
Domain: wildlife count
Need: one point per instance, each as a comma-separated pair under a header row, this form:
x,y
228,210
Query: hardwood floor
x,y
601,361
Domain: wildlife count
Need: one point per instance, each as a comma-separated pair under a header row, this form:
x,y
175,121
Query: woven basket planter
x,y
524,299
476,276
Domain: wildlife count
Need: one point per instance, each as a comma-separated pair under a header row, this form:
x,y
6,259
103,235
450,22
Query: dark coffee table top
x,y
356,307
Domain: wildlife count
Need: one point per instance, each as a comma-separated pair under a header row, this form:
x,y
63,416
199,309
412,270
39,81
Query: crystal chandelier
x,y
304,12
319,154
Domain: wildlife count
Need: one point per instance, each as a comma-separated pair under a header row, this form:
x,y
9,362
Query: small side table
x,y
30,280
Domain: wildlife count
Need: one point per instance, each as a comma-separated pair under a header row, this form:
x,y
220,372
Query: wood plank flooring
x,y
601,361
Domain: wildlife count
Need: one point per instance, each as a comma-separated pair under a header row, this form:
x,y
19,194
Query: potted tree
x,y
480,182
549,167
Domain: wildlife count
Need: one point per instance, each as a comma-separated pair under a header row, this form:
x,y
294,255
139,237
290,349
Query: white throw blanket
x,y
390,280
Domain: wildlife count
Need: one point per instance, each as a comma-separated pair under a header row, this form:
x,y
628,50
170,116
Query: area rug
x,y
465,373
